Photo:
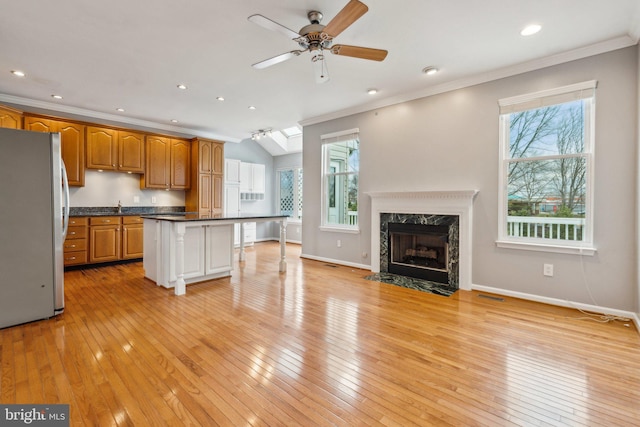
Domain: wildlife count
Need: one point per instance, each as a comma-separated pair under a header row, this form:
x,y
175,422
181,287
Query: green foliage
x,y
564,211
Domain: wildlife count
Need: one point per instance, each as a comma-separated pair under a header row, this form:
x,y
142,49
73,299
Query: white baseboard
x,y
336,261
562,303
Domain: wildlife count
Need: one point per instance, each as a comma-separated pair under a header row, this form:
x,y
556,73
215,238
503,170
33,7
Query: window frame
x,y
327,140
297,195
584,91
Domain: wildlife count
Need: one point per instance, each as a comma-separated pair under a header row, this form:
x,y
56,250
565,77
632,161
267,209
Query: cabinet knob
x,y
106,220
72,233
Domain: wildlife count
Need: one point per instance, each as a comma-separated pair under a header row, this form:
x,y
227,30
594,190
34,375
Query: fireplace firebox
x,y
419,250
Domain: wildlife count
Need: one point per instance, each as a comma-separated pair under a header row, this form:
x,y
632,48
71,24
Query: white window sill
x,y
337,229
541,247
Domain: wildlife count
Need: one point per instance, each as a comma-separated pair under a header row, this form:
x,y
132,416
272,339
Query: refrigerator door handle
x,y
65,211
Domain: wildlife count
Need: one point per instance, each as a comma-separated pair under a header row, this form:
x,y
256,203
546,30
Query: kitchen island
x,y
190,248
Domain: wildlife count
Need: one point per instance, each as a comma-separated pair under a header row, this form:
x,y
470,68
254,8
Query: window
x,y
341,164
290,193
546,158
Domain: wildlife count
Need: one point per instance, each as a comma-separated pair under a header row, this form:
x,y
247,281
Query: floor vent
x,y
331,265
491,297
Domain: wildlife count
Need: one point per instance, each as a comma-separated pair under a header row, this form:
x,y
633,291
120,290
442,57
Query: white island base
x,y
179,250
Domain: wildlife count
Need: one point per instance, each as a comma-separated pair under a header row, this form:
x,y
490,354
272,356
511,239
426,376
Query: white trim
x,y
340,133
541,247
562,90
561,303
336,229
476,79
336,261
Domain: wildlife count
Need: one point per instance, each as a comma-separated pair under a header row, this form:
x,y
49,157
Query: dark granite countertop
x,y
191,216
126,211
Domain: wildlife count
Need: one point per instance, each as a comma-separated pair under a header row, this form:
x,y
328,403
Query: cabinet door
x,y
72,138
258,178
217,181
218,158
158,152
205,157
102,151
104,243
231,199
132,241
246,177
10,118
232,171
131,151
180,155
205,202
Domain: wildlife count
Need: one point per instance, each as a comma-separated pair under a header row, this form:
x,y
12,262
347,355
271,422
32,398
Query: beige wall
x,y
450,141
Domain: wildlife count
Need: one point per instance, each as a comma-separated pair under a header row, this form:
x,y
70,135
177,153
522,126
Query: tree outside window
x,y
341,160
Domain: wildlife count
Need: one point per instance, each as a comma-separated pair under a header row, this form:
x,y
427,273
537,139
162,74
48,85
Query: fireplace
x,y
420,251
421,246
452,209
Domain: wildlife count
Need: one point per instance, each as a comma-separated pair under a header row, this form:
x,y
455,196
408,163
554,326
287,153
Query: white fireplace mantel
x,y
457,202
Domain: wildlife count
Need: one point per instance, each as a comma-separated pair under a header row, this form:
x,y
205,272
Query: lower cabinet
x,y
93,240
207,251
75,245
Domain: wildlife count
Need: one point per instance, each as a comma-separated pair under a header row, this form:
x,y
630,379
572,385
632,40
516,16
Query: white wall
x,y
450,141
105,189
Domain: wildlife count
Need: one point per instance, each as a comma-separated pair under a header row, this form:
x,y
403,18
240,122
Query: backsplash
x,y
126,210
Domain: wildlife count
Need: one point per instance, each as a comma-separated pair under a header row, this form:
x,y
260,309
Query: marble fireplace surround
x,y
456,202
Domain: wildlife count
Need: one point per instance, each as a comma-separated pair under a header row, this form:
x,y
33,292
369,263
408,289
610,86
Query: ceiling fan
x,y
316,38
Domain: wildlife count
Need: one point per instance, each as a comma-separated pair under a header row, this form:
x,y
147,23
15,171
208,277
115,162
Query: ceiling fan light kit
x,y
316,38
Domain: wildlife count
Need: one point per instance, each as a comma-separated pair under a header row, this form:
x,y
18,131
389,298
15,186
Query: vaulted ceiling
x,y
101,56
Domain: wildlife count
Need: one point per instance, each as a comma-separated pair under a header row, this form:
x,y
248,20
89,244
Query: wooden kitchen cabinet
x,y
167,163
75,245
116,150
10,118
72,144
132,237
104,239
206,193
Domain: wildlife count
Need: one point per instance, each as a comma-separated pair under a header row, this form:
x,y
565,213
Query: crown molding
x,y
501,73
90,114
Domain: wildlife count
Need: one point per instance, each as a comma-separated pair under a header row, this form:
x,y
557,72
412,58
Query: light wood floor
x,y
317,346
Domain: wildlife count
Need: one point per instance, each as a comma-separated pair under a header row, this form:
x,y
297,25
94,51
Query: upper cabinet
x,y
252,181
10,118
72,138
206,193
232,172
117,150
167,163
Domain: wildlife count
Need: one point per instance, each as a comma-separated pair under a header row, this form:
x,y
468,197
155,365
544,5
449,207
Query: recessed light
x,y
56,96
251,107
181,86
372,91
220,98
429,71
18,73
174,121
120,109
530,30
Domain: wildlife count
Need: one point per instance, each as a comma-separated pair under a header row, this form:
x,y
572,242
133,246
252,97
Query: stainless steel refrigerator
x,y
34,208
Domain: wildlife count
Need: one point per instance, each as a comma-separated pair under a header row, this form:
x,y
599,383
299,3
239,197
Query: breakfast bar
x,y
190,248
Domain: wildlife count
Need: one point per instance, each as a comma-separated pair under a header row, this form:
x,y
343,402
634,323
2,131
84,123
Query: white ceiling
x,y
103,55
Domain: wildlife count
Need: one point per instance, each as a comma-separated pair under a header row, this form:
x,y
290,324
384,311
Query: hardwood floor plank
x,y
318,345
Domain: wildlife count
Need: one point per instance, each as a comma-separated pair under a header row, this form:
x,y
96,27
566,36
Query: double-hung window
x,y
290,193
340,168
546,170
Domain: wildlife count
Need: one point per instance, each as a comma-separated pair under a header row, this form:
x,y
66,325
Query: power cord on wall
x,y
597,317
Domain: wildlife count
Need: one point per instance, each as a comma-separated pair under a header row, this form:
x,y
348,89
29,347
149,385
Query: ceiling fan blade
x,y
320,68
273,26
347,16
276,59
359,52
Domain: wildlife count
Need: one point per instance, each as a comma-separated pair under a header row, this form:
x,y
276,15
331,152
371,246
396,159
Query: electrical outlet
x,y
154,200
339,243
547,270
136,199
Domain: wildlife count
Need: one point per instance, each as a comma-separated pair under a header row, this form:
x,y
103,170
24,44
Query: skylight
x,y
292,131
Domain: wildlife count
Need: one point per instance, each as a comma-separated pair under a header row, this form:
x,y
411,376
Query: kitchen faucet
x,y
119,207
